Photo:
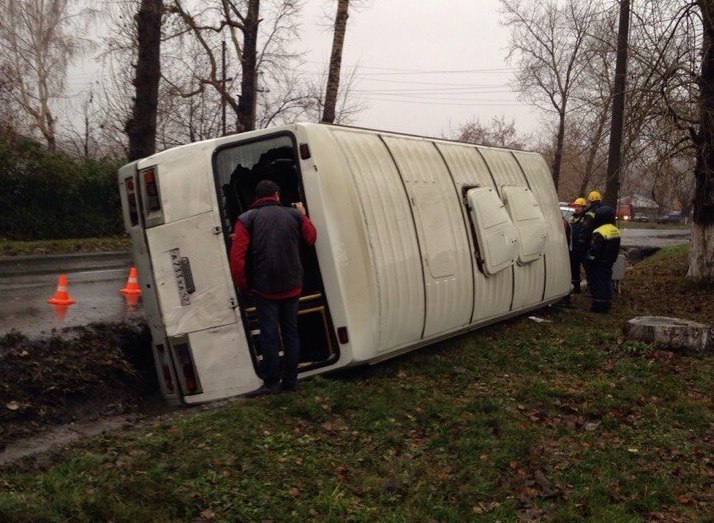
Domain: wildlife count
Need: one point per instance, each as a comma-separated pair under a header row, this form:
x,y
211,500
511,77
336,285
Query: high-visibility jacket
x,y
605,244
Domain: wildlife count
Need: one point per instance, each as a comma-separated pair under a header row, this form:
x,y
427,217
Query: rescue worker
x,y
588,226
602,254
577,246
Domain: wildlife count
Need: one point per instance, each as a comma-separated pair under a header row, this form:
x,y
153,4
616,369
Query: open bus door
x,y
238,168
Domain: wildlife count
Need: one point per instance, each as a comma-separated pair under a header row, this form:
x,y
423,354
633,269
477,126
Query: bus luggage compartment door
x,y
200,298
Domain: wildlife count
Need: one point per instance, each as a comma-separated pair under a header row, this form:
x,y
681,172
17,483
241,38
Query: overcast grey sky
x,y
424,66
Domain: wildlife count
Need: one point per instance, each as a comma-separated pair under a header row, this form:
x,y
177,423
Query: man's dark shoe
x,y
600,307
264,390
289,387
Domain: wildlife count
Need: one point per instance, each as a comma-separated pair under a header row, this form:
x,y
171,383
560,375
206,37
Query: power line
x,y
455,104
394,70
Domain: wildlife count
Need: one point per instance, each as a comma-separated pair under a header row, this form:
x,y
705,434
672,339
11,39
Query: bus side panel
x,y
442,237
557,262
231,371
492,294
391,237
529,279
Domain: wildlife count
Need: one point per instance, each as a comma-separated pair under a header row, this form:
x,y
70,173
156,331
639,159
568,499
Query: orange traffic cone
x,y
60,312
132,301
61,296
132,284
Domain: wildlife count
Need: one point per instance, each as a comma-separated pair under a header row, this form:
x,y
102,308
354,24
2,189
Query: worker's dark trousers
x,y
576,260
600,281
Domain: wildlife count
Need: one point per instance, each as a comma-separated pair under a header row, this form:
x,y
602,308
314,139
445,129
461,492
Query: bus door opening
x,y
238,169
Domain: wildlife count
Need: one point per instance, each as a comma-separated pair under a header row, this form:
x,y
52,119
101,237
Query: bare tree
x,y
141,128
36,47
548,42
81,142
701,259
498,133
260,35
683,122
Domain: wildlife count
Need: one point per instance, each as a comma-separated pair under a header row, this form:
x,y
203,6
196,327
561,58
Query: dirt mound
x,y
77,374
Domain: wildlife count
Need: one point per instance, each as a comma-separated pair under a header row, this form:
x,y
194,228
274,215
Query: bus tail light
x,y
153,202
187,375
150,197
166,373
305,151
131,198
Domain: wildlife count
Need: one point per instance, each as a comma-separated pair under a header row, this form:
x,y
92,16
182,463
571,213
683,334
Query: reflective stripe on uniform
x,y
608,231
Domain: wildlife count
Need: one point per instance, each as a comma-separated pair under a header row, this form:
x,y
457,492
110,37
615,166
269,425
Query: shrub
x,y
47,195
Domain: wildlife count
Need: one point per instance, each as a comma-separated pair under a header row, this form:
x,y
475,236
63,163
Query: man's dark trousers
x,y
600,285
274,317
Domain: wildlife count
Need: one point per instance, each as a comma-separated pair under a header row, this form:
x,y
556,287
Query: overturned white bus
x,y
418,239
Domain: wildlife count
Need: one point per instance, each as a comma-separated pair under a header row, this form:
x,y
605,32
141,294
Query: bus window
x,y
241,167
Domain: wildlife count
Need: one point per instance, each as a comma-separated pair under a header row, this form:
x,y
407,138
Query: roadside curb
x,y
49,263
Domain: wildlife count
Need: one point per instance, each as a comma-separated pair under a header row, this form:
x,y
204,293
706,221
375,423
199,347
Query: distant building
x,y
637,204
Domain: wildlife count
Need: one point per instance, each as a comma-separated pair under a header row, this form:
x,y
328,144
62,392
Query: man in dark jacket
x,y
603,252
588,226
577,246
270,235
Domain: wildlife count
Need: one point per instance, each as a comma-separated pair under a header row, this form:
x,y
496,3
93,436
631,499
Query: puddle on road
x,y
27,311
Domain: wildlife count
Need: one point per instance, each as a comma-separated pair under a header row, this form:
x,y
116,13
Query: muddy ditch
x,y
76,381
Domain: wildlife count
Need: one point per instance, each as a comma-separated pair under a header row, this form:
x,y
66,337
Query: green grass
x,y
104,244
562,421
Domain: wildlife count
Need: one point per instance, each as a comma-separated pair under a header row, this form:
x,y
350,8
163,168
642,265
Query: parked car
x,y
670,217
566,210
640,217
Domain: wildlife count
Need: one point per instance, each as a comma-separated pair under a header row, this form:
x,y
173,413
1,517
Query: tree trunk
x,y
701,254
612,184
249,60
333,78
558,153
141,128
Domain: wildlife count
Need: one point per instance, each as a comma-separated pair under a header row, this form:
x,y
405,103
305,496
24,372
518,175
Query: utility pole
x,y
333,78
223,86
612,186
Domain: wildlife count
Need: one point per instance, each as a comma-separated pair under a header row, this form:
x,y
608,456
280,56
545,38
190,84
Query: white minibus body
x,y
418,239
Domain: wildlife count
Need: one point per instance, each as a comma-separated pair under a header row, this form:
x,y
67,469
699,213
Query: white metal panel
x,y
223,362
342,247
529,280
557,264
210,304
495,233
529,221
492,295
391,237
149,298
442,235
185,180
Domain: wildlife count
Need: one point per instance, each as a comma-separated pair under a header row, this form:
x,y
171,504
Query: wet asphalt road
x,y
94,281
